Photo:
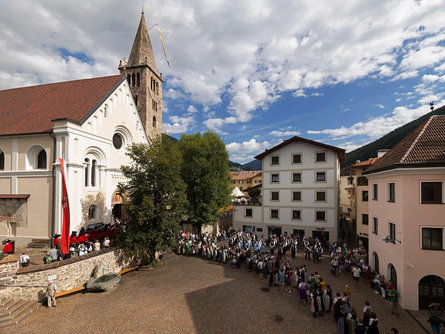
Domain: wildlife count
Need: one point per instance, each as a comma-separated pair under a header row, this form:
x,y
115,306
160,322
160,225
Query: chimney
x,y
382,152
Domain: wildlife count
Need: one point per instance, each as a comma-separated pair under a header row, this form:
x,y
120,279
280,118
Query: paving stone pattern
x,y
193,295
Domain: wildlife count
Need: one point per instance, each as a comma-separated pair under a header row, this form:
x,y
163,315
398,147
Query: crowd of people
x,y
270,260
82,242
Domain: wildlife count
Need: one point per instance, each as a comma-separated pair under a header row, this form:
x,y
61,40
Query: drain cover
x,y
265,289
277,318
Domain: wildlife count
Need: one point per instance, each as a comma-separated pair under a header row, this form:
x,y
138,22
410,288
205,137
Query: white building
x,y
300,191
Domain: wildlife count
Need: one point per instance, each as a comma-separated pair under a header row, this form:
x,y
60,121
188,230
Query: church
x,y
89,123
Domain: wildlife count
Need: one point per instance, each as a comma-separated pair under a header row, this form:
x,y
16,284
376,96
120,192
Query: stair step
x,y
18,308
7,324
31,307
4,315
14,305
8,303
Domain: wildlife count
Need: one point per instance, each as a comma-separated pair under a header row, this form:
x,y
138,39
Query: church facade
x,y
89,123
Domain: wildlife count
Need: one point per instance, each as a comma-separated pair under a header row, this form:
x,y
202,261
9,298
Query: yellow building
x,y
246,179
354,199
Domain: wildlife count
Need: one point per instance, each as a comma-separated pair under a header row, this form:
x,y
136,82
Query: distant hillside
x,y
234,166
387,141
253,165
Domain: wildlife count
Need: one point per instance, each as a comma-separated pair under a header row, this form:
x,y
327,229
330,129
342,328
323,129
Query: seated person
x,y
7,248
24,260
47,258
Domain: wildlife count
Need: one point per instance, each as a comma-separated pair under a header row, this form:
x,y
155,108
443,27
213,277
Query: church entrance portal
x,y
118,210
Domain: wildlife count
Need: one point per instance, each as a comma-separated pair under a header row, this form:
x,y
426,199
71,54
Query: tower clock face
x,y
117,141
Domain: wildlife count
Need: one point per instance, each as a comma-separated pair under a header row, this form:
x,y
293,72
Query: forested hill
x,y
387,141
252,165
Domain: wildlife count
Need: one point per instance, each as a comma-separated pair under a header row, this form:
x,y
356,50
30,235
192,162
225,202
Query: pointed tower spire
x,y
142,52
144,81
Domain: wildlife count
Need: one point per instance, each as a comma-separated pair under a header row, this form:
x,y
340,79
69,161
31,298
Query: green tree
x,y
206,174
254,193
156,198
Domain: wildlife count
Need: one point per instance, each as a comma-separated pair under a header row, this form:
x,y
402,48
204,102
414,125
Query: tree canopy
x,y
206,174
156,198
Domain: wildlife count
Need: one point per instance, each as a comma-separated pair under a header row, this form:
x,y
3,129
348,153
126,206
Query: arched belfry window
x,y
133,79
138,79
2,160
154,121
41,160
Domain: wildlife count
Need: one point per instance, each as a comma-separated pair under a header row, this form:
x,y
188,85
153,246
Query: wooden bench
x,y
81,288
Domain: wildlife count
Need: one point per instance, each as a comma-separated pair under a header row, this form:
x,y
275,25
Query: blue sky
x,y
255,72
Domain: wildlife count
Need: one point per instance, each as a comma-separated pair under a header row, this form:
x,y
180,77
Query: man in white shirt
x,y
24,260
356,274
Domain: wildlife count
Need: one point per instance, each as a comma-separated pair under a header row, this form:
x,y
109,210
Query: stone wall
x,y
29,283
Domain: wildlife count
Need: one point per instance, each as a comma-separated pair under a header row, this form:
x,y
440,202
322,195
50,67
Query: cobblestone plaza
x,y
193,295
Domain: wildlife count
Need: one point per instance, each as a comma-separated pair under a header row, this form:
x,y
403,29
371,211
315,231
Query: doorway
x,y
392,274
375,262
431,290
274,230
322,236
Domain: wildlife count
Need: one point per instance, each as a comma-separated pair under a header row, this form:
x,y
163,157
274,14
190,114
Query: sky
x,y
255,72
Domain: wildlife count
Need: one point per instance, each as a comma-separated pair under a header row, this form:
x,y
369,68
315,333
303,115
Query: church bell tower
x,y
144,81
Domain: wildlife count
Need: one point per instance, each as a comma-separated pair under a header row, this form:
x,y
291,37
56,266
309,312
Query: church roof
x,y
32,109
142,52
423,147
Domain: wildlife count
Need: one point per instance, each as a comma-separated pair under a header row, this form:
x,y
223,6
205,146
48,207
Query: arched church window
x,y
94,173
133,79
138,79
93,212
87,176
41,160
2,160
154,121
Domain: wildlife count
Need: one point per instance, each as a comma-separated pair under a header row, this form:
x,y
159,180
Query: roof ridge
x,y
60,82
416,139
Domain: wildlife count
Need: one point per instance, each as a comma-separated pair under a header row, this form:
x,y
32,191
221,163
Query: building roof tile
x,y
425,146
245,175
32,109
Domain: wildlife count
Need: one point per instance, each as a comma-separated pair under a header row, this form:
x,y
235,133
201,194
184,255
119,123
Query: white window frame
x,y
432,181
421,238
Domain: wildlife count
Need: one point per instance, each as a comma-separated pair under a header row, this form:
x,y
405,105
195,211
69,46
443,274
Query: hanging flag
x,y
65,214
163,47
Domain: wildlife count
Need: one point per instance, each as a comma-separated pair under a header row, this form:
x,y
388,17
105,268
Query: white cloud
x,y
247,150
249,63
376,127
285,133
192,109
380,106
178,124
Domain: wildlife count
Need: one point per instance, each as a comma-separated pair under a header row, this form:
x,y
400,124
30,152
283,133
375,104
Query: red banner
x,y
65,214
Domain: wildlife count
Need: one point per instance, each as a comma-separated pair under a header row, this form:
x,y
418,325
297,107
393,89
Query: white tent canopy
x,y
237,193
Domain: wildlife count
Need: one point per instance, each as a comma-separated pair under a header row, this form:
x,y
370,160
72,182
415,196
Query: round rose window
x,y
117,141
